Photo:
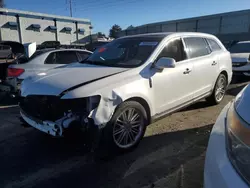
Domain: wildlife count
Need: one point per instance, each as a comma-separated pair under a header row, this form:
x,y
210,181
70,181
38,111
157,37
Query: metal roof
x,y
37,15
194,18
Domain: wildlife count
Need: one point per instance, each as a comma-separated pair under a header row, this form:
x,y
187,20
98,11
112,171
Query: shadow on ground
x,y
36,160
5,100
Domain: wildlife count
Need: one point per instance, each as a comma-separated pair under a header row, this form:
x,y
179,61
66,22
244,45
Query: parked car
x,y
240,53
40,61
227,163
127,84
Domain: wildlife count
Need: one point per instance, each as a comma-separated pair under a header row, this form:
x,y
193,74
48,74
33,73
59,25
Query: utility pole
x,y
70,7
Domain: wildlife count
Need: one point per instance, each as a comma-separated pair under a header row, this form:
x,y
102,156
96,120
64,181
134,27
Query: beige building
x,y
25,27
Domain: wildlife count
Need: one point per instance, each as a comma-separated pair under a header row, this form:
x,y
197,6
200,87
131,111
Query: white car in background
x,y
227,162
240,53
41,61
126,84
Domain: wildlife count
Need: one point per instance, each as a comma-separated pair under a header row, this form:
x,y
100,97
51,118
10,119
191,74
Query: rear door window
x,y
213,45
62,57
196,47
66,57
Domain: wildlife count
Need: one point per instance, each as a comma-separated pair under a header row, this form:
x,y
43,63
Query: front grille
x,y
239,64
51,107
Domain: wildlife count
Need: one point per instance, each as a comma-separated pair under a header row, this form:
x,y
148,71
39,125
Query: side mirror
x,y
165,62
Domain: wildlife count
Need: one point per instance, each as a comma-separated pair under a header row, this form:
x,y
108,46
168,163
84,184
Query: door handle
x,y
214,63
187,71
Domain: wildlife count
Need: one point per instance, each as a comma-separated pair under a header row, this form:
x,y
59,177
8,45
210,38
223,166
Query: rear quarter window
x,y
213,45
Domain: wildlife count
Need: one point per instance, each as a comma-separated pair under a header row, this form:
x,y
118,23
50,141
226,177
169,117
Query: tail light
x,y
15,72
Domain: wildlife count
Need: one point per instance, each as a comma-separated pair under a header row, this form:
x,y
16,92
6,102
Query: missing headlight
x,y
93,102
53,108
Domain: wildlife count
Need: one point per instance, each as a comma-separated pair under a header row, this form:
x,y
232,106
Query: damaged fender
x,y
107,105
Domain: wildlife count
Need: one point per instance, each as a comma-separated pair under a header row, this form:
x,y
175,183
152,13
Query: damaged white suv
x,y
126,84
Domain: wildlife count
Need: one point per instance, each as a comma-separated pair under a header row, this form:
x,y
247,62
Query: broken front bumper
x,y
44,126
56,128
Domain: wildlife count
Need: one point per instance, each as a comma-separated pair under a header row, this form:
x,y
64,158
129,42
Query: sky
x,y
105,13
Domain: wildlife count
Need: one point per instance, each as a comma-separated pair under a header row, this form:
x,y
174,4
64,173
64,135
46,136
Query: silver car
x,y
41,61
240,53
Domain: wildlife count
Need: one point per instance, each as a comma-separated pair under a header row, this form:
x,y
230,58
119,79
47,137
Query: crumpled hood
x,y
57,80
240,57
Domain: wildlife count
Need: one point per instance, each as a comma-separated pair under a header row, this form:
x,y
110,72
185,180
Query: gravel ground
x,y
171,154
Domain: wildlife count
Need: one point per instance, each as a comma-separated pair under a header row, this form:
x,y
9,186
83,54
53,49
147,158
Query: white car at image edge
x,y
126,84
227,163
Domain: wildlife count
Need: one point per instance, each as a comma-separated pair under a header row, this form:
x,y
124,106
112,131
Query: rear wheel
x,y
219,90
126,128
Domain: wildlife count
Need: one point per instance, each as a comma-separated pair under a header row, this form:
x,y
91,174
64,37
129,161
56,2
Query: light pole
x,y
90,27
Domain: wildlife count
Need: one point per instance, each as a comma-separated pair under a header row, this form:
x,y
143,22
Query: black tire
x,y
107,141
212,99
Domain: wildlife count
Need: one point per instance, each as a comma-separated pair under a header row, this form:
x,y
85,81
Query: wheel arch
x,y
145,105
224,72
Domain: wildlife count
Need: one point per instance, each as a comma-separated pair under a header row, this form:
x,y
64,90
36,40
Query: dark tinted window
x,y
174,49
197,47
214,45
62,57
51,59
66,57
83,55
6,48
240,48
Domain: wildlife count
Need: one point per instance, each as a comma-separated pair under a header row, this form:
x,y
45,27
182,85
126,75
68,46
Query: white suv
x,y
126,84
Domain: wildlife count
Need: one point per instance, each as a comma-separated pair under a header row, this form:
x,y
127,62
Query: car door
x,y
204,65
173,86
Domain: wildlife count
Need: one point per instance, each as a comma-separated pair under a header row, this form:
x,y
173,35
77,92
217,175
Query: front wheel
x,y
219,90
126,128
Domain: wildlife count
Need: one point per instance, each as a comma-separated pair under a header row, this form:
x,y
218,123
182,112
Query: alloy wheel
x,y
128,128
220,89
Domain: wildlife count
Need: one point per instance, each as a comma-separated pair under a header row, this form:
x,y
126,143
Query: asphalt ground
x,y
171,154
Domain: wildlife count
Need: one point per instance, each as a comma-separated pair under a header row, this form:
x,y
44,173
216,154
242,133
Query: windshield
x,y
240,48
126,52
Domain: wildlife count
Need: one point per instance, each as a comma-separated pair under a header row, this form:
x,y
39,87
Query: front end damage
x,y
56,116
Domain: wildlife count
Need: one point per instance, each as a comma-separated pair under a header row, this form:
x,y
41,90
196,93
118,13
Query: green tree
x,y
100,34
115,29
